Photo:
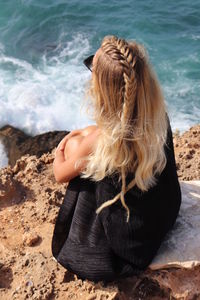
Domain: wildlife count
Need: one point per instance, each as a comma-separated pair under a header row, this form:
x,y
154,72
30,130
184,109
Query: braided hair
x,y
130,110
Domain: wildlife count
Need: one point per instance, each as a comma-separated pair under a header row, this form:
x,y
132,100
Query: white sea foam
x,y
17,62
48,97
182,103
3,156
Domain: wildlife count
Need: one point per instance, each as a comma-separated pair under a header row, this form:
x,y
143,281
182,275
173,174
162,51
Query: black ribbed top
x,y
105,246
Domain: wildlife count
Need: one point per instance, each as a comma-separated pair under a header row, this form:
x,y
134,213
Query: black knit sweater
x,y
106,247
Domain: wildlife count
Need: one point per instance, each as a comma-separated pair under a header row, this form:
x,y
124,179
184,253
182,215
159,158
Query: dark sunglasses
x,y
88,62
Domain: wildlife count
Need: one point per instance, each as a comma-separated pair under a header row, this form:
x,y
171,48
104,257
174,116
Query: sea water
x,y
43,44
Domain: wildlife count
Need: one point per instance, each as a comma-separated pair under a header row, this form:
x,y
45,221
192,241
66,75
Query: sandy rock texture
x,y
187,151
29,202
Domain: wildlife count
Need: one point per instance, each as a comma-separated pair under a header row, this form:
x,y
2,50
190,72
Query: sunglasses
x,y
88,62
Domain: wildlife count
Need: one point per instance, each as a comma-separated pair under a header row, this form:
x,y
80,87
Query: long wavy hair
x,y
130,111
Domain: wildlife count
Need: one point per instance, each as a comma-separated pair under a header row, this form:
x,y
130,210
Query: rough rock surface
x,y
27,268
187,150
29,202
17,143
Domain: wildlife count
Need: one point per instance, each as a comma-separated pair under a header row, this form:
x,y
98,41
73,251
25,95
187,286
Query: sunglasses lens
x,y
88,62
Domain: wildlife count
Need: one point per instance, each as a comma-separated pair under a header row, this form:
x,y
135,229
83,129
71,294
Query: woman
x,y
123,194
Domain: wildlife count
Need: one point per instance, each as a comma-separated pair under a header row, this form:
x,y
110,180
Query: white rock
x,y
181,247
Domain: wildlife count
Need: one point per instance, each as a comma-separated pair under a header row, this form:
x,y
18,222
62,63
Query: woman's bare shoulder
x,y
88,134
89,129
83,132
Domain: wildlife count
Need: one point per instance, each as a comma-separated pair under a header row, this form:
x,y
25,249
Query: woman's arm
x,y
77,132
80,147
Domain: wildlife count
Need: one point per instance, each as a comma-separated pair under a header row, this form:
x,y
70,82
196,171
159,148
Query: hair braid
x,y
119,49
125,189
130,80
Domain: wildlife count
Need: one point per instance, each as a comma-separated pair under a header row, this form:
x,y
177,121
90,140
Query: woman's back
x,y
104,246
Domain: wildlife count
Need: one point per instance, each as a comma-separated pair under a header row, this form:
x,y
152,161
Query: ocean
x,y
43,44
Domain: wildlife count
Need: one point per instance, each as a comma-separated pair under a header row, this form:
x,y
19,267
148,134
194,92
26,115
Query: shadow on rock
x,y
12,192
6,277
141,287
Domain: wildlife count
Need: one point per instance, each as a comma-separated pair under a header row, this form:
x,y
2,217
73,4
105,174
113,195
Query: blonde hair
x,y
130,111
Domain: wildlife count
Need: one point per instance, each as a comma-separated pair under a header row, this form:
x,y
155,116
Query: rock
x,y
29,283
30,198
17,143
7,183
187,153
180,248
11,191
31,238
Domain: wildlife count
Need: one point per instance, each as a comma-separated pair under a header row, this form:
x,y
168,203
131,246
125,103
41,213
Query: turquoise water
x,y
43,43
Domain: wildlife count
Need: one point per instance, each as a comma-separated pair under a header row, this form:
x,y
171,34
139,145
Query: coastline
x,y
17,143
29,202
